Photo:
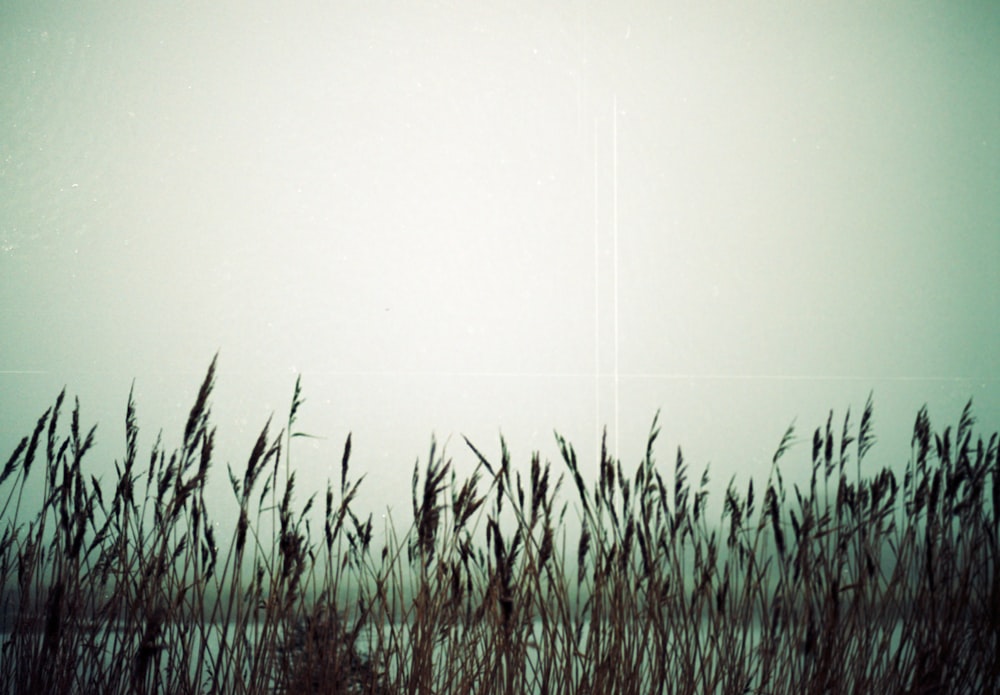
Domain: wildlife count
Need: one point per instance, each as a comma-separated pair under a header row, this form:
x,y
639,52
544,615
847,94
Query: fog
x,y
462,220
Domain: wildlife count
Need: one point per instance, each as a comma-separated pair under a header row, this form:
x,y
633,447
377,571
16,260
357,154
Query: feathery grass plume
x,y
297,401
965,423
503,477
846,439
625,486
664,505
680,490
866,436
11,464
922,438
771,511
604,492
205,460
29,455
426,509
699,498
582,549
569,457
53,424
943,446
286,499
787,439
156,455
256,461
344,464
199,411
131,429
520,489
734,509
828,446
539,487
466,503
606,487
627,540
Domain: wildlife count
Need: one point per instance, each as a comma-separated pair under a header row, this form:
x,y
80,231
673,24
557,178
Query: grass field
x,y
517,579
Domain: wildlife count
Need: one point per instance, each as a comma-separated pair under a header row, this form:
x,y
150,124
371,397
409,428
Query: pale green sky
x,y
414,205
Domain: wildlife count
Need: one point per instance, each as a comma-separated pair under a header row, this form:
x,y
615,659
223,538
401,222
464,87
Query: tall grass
x,y
856,582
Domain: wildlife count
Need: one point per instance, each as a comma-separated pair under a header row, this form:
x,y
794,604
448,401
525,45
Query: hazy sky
x,y
433,210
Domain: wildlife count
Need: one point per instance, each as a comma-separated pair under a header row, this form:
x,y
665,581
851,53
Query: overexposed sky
x,y
420,207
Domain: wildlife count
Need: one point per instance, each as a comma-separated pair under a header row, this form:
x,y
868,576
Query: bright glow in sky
x,y
420,208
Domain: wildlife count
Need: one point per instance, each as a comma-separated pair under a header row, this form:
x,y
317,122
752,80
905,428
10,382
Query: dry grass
x,y
856,583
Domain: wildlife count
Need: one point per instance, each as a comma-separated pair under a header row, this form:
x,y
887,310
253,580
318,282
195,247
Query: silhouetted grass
x,y
858,582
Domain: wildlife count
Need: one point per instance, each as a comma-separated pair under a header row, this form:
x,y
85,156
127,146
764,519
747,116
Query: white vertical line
x,y
597,309
579,76
614,230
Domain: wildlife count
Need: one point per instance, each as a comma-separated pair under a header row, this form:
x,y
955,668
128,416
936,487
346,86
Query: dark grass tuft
x,y
856,582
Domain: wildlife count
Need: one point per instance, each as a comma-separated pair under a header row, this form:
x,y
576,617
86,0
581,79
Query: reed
x,y
510,580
